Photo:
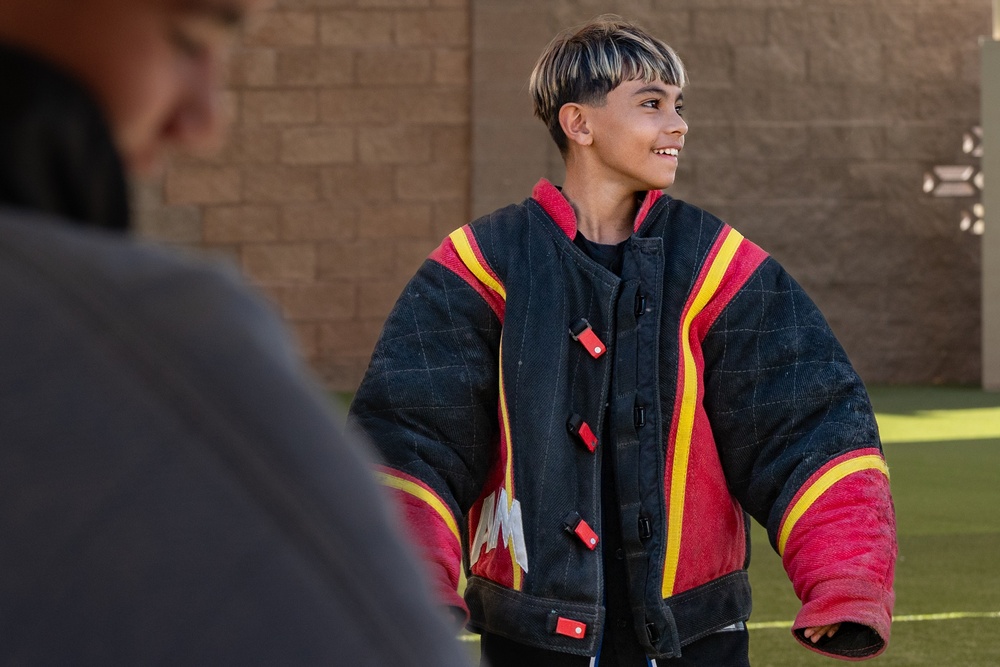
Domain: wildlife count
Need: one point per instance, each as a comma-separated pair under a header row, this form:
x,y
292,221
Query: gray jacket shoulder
x,y
157,422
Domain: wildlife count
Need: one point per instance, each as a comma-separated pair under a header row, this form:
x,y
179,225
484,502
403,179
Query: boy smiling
x,y
583,397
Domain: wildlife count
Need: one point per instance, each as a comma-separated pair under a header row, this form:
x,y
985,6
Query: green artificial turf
x,y
966,643
935,414
943,450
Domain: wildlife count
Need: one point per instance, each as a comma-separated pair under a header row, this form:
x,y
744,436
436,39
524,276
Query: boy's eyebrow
x,y
655,88
652,88
659,90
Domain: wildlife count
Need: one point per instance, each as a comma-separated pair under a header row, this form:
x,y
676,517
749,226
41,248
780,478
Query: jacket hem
x,y
703,610
531,620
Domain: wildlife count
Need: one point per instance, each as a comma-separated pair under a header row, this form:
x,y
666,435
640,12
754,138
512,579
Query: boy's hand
x,y
815,634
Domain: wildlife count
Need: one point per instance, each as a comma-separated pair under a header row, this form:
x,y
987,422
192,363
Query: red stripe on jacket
x,y
832,577
710,514
447,256
437,544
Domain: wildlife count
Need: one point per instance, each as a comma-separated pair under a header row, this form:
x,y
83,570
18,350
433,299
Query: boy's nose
x,y
678,125
198,120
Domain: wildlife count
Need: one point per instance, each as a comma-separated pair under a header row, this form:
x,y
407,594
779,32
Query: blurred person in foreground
x,y
599,384
173,490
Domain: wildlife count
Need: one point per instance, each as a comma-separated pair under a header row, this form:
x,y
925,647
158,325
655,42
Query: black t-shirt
x,y
608,256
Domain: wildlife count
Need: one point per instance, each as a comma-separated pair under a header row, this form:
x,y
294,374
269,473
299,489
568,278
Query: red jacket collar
x,y
559,209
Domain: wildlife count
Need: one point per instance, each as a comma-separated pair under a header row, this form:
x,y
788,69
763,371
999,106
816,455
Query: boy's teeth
x,y
667,151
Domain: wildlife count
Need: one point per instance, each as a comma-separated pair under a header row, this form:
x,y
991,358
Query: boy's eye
x,y
651,104
679,109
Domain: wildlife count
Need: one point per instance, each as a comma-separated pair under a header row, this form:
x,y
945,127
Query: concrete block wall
x,y
366,130
812,124
347,163
822,163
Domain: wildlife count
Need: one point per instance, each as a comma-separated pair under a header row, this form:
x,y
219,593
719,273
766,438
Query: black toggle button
x,y
645,528
640,416
640,304
653,634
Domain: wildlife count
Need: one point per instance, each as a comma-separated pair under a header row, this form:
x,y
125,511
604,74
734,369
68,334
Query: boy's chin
x,y
657,181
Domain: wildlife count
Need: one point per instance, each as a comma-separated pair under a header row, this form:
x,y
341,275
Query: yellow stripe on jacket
x,y
822,485
422,494
468,257
689,403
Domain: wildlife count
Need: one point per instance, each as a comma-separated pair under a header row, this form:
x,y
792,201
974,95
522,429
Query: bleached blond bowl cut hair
x,y
583,65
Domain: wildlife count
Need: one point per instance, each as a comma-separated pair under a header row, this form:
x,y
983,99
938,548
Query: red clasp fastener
x,y
570,628
576,426
576,525
584,333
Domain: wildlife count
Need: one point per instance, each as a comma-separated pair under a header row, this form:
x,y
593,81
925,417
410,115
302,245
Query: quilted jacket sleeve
x,y
429,403
800,447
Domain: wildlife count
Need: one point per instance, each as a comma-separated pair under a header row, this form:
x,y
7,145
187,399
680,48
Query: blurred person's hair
x,y
583,65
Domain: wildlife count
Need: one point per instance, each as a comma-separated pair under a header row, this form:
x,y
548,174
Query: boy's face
x,y
637,134
156,67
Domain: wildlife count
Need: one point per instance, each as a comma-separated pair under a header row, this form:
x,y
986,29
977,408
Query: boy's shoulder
x,y
682,215
693,235
511,214
499,232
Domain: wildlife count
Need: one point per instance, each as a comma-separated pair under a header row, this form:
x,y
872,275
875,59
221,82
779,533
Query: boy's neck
x,y
605,212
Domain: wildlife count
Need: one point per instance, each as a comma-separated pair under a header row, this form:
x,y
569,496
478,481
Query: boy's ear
x,y
573,120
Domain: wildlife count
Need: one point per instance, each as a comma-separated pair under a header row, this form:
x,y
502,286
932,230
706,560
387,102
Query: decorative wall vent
x,y
961,180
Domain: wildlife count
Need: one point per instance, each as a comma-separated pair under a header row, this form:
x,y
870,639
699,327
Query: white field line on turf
x,y
768,625
949,616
